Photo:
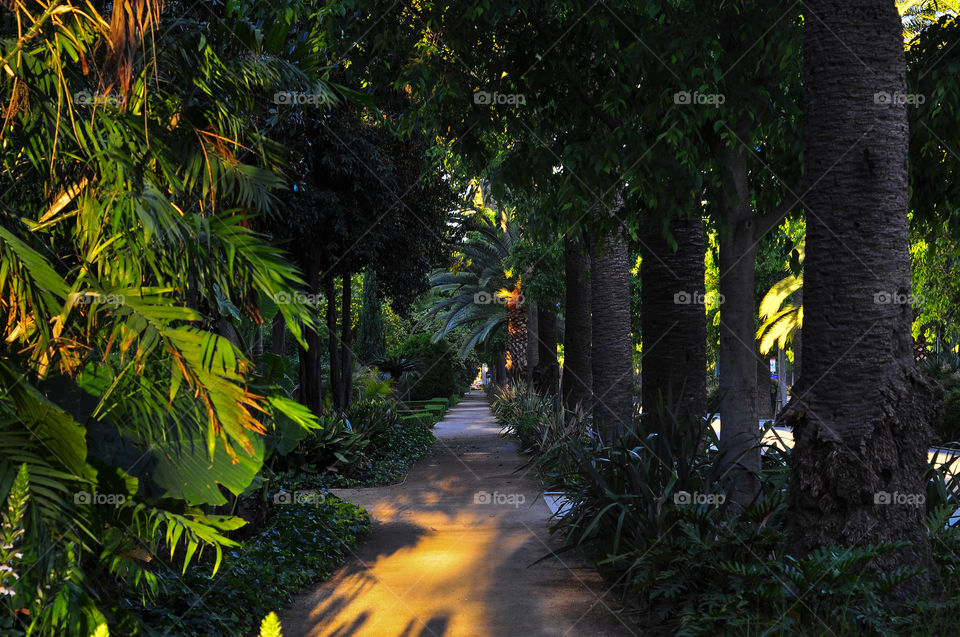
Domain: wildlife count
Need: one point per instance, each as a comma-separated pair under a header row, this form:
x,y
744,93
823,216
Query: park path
x,y
452,549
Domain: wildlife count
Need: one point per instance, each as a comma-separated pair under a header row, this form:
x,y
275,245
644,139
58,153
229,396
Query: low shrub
x,y
391,457
442,371
423,416
648,508
305,543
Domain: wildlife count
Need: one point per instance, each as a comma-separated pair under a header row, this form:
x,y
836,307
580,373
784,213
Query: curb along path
x,y
451,550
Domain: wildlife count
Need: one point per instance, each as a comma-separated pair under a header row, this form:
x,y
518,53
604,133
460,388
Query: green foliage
x,y
11,532
371,342
470,296
386,460
945,369
648,508
304,543
137,158
443,371
544,429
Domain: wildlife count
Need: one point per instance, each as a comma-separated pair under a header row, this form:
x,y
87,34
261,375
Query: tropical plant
x,y
479,294
779,318
136,156
441,372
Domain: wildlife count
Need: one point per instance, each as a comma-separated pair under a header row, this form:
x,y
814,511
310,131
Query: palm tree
x,y
860,411
611,349
129,180
674,329
577,378
919,14
781,320
478,293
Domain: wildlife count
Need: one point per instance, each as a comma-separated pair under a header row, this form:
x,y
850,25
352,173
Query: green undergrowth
x,y
304,544
649,509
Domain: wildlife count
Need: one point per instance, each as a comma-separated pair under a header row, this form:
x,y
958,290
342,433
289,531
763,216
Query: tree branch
x,y
765,224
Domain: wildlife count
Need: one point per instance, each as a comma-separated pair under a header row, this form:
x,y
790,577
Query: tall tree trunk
x,y
674,364
547,379
797,346
860,410
516,336
330,291
533,350
500,377
611,353
781,379
739,431
311,389
765,410
577,372
278,335
346,344
257,349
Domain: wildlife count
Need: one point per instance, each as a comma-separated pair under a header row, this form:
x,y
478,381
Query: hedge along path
x,y
452,550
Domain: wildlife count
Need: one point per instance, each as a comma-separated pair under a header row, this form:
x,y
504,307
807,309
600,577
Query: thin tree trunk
x,y
547,378
311,389
674,364
501,370
516,337
860,411
346,343
533,351
739,433
611,354
765,410
577,372
278,335
797,350
336,381
781,379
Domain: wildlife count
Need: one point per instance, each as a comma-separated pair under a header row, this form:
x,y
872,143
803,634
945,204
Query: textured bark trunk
x,y
346,344
333,339
533,336
577,372
797,351
501,370
674,364
311,389
860,410
765,409
258,342
547,378
278,335
739,433
611,353
516,337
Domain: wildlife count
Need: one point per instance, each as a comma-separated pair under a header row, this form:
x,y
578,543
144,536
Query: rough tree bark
x,y
346,344
500,375
765,409
860,410
674,364
311,388
533,336
278,335
333,349
577,371
547,377
611,352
